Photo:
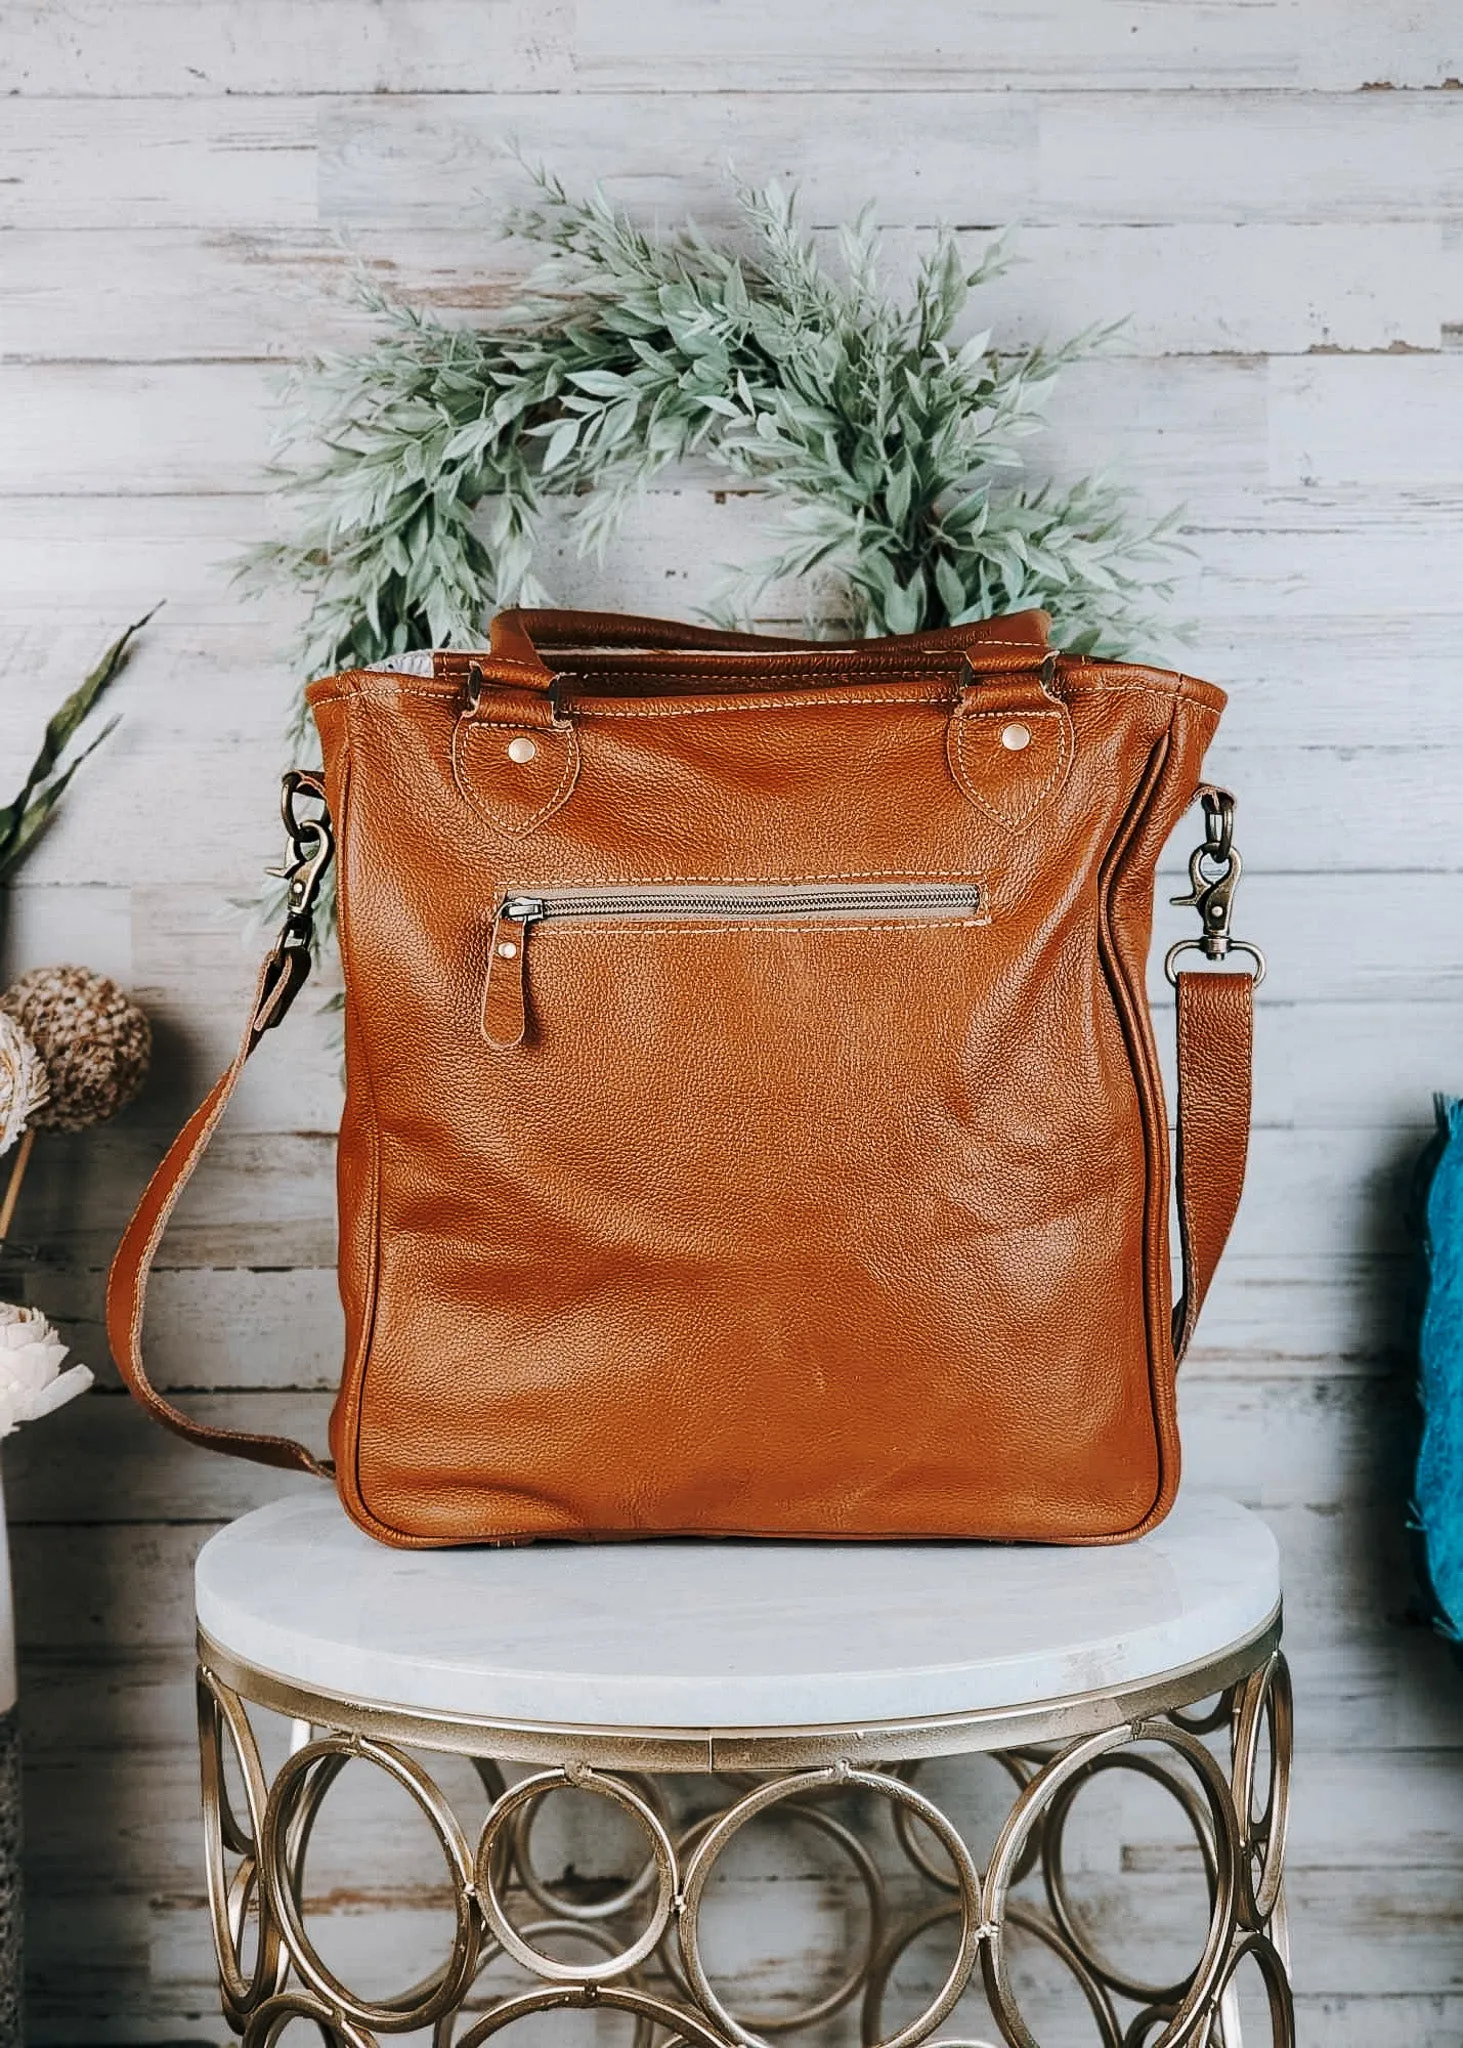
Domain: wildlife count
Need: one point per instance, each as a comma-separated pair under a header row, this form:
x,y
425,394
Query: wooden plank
x,y
1335,678
1042,48
82,1186
104,1614
984,158
1349,1314
233,1327
150,935
1302,557
155,48
221,1329
227,669
374,1921
1353,810
1296,1088
1398,1937
1288,1442
450,46
1326,430
1326,424
1313,158
1362,2020
107,1655
1253,439
132,1471
1274,567
123,164
173,428
80,2000
125,554
184,293
399,168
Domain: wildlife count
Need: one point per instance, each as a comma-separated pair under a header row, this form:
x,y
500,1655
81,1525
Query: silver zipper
x,y
909,899
505,992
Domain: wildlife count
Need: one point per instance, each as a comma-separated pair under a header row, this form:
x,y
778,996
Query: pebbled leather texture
x,y
726,1222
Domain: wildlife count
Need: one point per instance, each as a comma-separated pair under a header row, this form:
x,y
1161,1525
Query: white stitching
x,y
760,704
594,929
498,819
1071,687
759,881
1013,820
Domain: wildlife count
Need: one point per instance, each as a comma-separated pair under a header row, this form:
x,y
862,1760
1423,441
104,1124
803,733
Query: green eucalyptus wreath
x,y
887,452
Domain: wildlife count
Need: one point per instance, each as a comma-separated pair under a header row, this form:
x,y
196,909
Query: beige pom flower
x,y
31,1380
94,1042
24,1083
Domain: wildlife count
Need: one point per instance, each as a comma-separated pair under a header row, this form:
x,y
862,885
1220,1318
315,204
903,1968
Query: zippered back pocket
x,y
717,906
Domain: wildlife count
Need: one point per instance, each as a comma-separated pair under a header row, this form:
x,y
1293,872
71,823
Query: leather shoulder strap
x,y
1215,1037
279,980
1214,1042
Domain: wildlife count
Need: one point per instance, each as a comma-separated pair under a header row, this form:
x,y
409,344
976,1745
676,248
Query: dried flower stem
x,y
12,1186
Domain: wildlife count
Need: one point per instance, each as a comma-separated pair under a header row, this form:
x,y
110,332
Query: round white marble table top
x,y
712,1635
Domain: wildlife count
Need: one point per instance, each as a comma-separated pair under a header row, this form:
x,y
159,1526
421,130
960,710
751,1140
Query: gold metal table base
x,y
1215,1739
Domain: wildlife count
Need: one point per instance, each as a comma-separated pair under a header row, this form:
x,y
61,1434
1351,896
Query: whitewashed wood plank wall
x,y
1272,191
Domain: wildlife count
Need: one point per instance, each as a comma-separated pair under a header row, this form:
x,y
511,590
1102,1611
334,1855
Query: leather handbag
x,y
753,1122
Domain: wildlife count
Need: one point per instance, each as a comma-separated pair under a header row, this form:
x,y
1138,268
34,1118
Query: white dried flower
x,y
24,1082
31,1380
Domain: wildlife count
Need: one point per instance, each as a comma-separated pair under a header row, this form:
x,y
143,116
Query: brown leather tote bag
x,y
753,1123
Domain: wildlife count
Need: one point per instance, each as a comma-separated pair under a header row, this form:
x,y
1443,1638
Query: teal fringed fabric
x,y
1439,1493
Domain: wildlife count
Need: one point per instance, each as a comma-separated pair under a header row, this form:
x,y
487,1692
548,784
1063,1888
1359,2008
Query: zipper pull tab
x,y
505,993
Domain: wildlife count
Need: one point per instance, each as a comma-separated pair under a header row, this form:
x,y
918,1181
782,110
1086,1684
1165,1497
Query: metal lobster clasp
x,y
1215,868
312,844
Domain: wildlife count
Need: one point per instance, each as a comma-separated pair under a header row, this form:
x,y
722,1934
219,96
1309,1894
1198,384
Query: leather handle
x,y
517,635
1215,1018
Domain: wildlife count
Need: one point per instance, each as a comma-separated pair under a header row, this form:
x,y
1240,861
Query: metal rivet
x,y
1015,737
521,749
507,950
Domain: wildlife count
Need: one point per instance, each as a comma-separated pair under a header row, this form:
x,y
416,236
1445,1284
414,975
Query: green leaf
x,y
21,820
598,383
560,444
896,498
44,802
951,589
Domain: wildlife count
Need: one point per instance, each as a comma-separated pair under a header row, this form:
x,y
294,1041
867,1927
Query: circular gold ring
x,y
524,1795
803,1785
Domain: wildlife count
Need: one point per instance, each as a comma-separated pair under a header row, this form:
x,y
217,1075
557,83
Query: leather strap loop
x,y
1215,1016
